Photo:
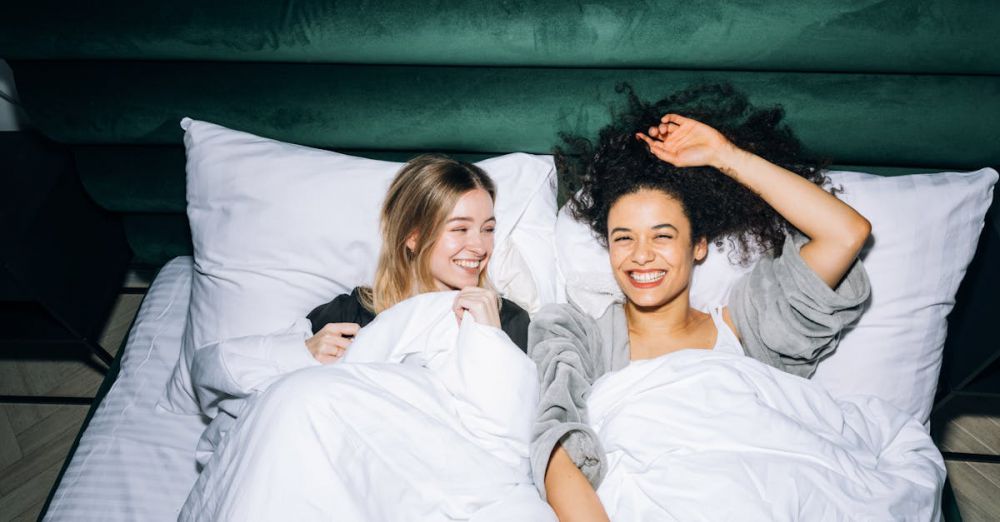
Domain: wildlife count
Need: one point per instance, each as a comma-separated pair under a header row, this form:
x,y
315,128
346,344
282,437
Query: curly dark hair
x,y
716,205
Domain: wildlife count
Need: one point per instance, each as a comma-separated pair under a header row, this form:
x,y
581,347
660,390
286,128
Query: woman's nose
x,y
476,243
642,254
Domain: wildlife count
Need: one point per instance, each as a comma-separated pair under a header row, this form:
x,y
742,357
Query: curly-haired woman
x,y
656,190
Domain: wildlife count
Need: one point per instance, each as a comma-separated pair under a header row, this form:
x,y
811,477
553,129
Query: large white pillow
x,y
925,228
279,229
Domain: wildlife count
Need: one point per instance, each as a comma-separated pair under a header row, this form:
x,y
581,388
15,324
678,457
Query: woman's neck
x,y
670,319
675,325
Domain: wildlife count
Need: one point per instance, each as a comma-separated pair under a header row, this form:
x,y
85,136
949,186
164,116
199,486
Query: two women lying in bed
x,y
657,197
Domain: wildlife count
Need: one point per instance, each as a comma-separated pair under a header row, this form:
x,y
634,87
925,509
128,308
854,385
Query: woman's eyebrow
x,y
466,218
655,227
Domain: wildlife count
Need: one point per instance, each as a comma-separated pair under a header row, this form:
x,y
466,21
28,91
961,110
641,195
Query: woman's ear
x,y
700,250
411,242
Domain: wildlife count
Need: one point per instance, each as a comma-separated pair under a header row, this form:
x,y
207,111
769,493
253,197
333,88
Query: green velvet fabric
x,y
157,238
150,179
862,119
144,179
928,36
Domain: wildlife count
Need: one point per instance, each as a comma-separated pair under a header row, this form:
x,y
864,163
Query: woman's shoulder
x,y
509,308
514,320
565,319
345,308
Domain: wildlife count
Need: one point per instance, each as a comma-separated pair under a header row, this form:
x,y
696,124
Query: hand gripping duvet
x,y
425,418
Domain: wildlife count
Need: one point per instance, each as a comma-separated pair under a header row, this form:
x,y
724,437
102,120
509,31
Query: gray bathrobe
x,y
786,315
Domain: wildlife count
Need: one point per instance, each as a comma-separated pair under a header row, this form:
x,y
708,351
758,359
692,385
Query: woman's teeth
x,y
647,277
466,264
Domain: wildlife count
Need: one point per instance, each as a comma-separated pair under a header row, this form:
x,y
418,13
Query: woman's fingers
x,y
675,119
480,303
346,329
659,149
331,342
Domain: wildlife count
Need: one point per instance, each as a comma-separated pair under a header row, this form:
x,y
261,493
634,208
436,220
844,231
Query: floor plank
x,y
10,450
30,494
41,458
61,421
977,496
968,424
30,514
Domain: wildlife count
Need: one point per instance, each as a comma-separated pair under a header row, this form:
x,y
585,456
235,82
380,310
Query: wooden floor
x,y
35,439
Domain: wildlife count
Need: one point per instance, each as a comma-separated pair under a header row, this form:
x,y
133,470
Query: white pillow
x,y
925,228
279,229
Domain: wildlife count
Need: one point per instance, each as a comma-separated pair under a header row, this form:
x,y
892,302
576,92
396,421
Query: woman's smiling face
x,y
650,248
462,251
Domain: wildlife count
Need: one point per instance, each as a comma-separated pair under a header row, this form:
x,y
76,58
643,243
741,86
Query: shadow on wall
x,y
11,116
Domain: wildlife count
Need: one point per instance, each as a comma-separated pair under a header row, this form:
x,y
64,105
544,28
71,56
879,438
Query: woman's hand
x,y
330,343
483,304
684,142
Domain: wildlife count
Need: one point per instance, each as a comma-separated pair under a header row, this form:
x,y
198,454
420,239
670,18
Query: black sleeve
x,y
514,322
345,308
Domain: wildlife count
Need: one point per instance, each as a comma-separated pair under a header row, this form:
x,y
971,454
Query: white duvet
x,y
424,419
703,435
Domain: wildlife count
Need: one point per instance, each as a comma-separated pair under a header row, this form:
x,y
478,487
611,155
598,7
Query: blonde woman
x,y
338,439
437,227
453,202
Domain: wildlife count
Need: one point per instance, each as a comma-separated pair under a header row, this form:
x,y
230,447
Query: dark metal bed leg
x,y
101,354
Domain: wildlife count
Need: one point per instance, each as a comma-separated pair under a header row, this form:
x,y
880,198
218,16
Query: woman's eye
x,y
459,229
664,236
619,239
489,230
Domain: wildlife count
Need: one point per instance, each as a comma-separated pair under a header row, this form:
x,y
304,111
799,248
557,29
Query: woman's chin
x,y
458,283
646,299
646,304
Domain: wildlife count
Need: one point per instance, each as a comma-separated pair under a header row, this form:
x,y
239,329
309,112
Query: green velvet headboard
x,y
901,83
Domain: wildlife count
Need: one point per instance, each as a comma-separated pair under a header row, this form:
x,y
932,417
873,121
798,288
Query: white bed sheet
x,y
135,462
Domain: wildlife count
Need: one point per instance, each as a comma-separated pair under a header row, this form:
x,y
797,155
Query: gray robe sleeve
x,y
565,345
788,317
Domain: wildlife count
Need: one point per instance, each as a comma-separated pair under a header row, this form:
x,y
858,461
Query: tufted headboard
x,y
875,83
893,86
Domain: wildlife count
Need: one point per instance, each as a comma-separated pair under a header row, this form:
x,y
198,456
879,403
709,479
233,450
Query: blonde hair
x,y
419,200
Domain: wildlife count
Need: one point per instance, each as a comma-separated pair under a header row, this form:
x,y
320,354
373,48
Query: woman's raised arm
x,y
836,231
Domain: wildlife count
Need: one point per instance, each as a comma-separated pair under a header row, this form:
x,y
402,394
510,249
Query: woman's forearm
x,y
569,492
836,231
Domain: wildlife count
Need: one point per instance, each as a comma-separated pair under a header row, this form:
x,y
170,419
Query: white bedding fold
x,y
422,420
702,435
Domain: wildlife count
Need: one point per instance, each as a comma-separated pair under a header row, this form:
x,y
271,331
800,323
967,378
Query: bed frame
x,y
892,86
